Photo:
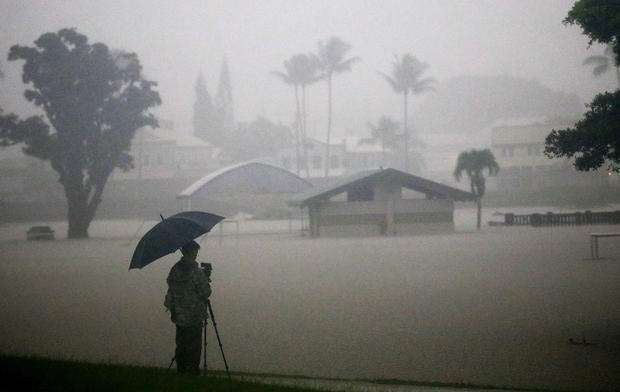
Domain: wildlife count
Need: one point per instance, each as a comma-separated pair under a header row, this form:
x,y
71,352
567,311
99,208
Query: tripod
x,y
219,341
204,343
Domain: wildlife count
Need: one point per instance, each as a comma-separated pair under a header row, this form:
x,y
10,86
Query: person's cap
x,y
190,247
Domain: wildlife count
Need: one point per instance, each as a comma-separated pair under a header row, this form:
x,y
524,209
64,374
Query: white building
x,y
165,153
440,151
519,151
349,156
314,165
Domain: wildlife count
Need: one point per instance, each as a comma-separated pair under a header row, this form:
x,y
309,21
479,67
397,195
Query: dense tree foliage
x,y
386,130
259,138
474,163
599,20
595,140
93,100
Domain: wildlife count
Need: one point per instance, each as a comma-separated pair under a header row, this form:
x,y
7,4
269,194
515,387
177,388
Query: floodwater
x,y
496,307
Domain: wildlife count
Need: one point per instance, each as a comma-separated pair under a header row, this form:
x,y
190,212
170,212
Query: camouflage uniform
x,y
188,290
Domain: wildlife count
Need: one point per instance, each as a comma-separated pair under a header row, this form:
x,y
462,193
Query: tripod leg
x,y
218,337
171,362
204,347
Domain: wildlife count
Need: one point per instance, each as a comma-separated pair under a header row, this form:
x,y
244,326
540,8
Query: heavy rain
x,y
385,195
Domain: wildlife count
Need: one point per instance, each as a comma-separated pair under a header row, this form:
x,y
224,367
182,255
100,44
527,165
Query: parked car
x,y
40,233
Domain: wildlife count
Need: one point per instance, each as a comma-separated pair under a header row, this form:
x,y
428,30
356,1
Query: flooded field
x,y
496,307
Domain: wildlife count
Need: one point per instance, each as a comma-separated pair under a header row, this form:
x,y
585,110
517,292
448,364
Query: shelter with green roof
x,y
380,202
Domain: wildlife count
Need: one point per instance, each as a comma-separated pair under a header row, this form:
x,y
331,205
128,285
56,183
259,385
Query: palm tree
x,y
474,163
406,78
332,61
308,69
385,130
290,77
603,63
300,71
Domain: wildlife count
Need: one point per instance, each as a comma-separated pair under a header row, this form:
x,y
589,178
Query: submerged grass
x,y
41,374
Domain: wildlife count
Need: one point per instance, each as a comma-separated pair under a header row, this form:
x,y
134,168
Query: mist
x,y
351,245
176,42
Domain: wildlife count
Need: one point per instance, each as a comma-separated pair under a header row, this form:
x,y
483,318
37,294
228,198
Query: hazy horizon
x,y
177,41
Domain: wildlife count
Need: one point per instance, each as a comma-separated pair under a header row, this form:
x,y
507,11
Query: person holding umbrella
x,y
187,299
189,286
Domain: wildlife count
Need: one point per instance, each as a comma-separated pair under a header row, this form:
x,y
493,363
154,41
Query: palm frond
x,y
474,163
346,65
283,76
395,85
331,56
600,69
595,60
406,75
424,85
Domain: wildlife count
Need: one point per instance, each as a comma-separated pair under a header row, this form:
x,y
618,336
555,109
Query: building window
x,y
334,162
361,193
316,162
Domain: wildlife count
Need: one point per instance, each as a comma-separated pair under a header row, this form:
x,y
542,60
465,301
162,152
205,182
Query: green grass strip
x,y
40,374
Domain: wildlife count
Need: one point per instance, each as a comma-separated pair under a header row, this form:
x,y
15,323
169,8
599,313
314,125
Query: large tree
x,y
93,101
595,140
259,138
406,78
600,21
332,61
473,163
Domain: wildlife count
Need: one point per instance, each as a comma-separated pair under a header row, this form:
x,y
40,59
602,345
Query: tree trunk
x,y
77,212
83,201
406,131
479,214
617,75
298,126
329,123
78,227
304,129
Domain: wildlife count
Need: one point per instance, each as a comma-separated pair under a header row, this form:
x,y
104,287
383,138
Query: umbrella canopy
x,y
171,234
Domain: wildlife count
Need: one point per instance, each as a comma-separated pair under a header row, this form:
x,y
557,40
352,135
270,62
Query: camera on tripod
x,y
206,268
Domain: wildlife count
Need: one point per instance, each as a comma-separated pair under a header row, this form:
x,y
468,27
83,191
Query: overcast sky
x,y
176,40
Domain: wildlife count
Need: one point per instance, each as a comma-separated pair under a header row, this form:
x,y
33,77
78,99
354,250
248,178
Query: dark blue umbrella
x,y
171,234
